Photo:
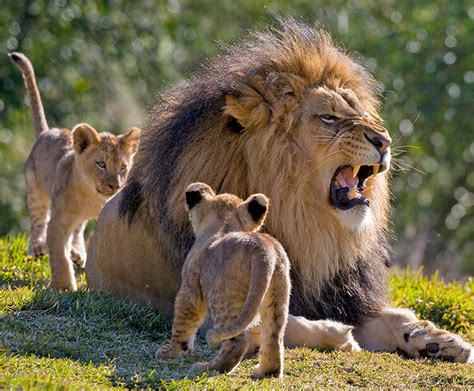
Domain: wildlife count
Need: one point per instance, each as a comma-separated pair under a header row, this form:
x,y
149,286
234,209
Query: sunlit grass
x,y
85,340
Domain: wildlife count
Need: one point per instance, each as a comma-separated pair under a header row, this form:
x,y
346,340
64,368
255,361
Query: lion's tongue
x,y
345,178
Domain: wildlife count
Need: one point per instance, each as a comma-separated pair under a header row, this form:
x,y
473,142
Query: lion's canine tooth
x,y
376,168
352,193
367,191
355,170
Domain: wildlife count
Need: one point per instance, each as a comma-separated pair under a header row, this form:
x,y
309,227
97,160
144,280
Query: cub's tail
x,y
260,278
34,97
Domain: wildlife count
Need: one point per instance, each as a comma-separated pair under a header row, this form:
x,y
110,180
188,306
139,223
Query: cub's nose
x,y
114,186
380,142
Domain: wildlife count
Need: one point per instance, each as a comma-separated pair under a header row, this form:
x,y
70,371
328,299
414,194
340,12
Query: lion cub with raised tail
x,y
242,276
76,172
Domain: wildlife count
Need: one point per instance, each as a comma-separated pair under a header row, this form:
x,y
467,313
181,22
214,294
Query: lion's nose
x,y
114,186
380,142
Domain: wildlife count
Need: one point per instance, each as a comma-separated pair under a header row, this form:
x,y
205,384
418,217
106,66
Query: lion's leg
x,y
399,330
229,356
325,334
38,205
78,248
273,313
59,231
189,314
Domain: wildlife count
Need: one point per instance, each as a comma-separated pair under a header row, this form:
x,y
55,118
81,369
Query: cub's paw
x,y
78,258
37,248
63,285
170,350
274,371
423,339
198,368
213,338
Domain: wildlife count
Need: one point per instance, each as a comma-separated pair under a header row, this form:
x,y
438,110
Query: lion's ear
x,y
196,192
252,212
129,141
83,136
249,111
262,101
257,206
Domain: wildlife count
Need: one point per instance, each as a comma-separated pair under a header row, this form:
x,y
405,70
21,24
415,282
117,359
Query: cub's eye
x,y
101,164
123,167
329,119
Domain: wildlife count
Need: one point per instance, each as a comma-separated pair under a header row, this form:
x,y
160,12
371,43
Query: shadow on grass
x,y
96,328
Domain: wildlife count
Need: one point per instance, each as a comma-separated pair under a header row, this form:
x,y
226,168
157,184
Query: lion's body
x,y
287,114
189,139
64,181
242,276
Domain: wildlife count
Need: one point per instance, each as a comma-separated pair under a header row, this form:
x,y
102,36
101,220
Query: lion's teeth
x,y
367,191
352,193
355,170
376,168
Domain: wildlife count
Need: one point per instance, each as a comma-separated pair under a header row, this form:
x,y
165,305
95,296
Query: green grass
x,y
85,340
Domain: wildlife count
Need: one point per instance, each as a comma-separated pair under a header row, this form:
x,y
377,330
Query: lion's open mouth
x,y
352,185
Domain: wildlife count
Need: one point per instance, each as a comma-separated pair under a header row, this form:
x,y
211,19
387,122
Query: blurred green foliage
x,y
104,61
449,305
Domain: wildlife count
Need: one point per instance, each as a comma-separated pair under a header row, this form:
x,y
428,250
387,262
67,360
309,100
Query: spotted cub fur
x,y
242,276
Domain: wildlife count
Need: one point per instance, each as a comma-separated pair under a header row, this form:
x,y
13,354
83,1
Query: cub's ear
x,y
130,140
196,192
257,207
252,212
83,136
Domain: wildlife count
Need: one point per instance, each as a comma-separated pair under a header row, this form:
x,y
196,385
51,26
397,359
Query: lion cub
x,y
240,275
76,172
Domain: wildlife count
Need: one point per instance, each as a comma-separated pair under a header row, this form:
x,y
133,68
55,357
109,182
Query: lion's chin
x,y
358,218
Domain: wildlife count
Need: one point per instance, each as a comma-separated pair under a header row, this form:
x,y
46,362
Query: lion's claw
x,y
425,340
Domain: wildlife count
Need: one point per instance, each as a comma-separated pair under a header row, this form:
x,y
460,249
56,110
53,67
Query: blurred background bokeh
x,y
104,61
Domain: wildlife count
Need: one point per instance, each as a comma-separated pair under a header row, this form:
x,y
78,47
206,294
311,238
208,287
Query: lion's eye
x,y
123,167
329,119
101,164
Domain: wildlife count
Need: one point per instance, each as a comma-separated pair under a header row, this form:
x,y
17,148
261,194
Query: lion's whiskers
x,y
328,159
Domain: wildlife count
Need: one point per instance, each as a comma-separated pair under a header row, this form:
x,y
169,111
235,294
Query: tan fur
x,y
285,151
252,121
76,172
399,330
294,180
240,274
321,334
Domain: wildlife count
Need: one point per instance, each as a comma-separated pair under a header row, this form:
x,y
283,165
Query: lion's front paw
x,y
198,368
213,338
171,350
270,371
424,339
78,257
37,248
63,283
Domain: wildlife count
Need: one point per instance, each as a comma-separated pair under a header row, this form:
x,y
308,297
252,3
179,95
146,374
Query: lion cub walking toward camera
x,y
241,275
76,172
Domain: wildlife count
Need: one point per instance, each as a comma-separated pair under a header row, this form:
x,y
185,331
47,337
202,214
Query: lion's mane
x,y
231,126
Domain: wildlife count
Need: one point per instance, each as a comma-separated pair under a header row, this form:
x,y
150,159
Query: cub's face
x,y
104,159
210,213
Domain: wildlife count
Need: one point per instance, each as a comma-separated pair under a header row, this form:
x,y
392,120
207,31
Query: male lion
x,y
288,114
